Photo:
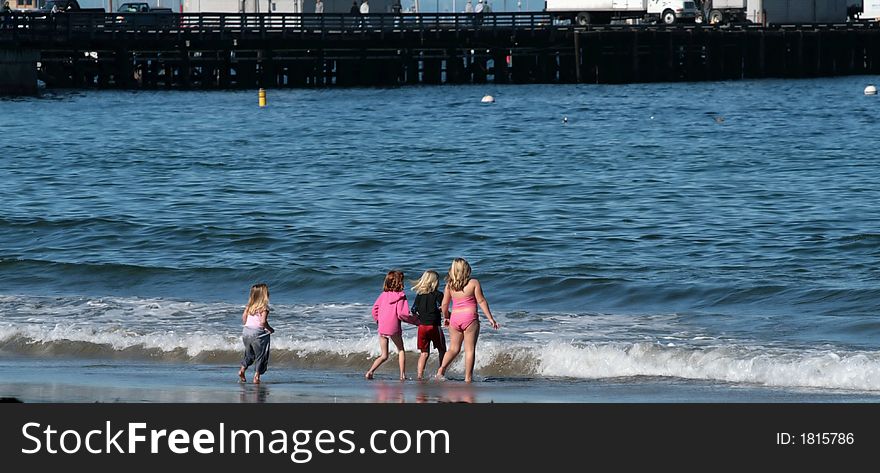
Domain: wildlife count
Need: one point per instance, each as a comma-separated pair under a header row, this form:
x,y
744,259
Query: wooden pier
x,y
211,51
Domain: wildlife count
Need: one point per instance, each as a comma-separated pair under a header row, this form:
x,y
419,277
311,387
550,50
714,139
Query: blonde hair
x,y
427,283
259,299
459,274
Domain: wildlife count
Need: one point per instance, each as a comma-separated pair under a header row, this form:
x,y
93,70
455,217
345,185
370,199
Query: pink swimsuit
x,y
464,313
255,320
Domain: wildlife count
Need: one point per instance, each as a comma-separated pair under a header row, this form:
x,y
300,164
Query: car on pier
x,y
67,6
142,14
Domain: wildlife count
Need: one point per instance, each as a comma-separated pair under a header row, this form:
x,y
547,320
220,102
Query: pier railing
x,y
34,24
265,23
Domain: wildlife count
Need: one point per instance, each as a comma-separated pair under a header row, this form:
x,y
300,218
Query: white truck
x,y
720,12
242,6
866,10
776,12
586,12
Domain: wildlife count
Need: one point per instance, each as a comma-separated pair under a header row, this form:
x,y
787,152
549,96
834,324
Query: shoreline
x,y
87,381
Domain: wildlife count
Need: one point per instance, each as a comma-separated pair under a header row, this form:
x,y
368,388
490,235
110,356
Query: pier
x,y
221,51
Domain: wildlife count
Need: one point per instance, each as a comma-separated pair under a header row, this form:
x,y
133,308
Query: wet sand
x,y
72,380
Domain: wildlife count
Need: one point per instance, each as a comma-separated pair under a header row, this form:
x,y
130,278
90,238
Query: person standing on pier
x,y
319,6
478,13
468,7
365,10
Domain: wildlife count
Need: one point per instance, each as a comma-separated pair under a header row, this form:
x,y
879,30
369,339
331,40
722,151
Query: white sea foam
x,y
756,365
334,334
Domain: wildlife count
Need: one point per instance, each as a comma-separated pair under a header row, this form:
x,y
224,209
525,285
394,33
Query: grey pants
x,y
256,349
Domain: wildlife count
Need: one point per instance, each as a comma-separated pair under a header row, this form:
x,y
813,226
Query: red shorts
x,y
431,334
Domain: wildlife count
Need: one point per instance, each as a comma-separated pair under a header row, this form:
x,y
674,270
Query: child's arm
x,y
402,307
484,304
376,310
444,306
244,316
266,322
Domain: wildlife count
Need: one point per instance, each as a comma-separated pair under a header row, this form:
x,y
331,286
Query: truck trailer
x,y
586,12
774,12
866,10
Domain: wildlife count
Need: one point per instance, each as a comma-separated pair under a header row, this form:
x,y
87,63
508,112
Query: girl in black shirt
x,y
427,308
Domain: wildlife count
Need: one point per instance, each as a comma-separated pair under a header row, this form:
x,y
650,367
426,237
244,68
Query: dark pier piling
x,y
220,51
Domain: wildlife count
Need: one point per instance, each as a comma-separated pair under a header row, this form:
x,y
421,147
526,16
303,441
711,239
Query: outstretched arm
x,y
484,304
402,307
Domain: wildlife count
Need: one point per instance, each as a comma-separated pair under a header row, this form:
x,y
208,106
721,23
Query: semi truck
x,y
586,12
866,10
774,12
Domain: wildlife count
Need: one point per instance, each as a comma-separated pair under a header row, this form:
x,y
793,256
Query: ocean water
x,y
720,236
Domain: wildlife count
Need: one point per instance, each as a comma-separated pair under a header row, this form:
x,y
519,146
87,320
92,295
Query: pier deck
x,y
85,50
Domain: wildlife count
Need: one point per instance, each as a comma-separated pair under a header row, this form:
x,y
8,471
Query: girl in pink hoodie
x,y
388,310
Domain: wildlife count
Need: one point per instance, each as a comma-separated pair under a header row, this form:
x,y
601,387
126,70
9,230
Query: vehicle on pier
x,y
143,14
586,12
722,12
140,7
67,6
865,10
773,12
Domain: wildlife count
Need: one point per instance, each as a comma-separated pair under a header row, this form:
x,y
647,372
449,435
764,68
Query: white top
x,y
469,7
319,7
365,8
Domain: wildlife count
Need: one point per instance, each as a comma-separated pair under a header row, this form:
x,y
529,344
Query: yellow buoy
x,y
262,98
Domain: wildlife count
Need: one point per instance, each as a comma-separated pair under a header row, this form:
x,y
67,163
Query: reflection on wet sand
x,y
423,392
253,393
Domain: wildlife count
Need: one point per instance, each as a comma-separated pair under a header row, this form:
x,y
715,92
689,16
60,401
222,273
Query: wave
x,y
782,367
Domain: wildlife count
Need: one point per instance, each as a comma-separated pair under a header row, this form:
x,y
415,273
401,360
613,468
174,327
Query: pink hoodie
x,y
388,309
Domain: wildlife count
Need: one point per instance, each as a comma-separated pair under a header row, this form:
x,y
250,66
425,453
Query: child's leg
x,y
440,344
261,363
455,338
423,360
383,355
470,348
247,359
401,355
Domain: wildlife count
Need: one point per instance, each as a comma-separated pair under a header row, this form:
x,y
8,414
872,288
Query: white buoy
x,y
871,90
564,119
488,99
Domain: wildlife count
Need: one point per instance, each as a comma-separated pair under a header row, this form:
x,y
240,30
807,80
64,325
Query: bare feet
x,y
241,377
369,375
257,379
403,377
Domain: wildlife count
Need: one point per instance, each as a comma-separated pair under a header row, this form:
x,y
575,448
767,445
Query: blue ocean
x,y
674,242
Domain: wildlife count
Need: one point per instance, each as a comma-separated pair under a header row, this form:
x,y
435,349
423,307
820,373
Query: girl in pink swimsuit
x,y
388,310
465,294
